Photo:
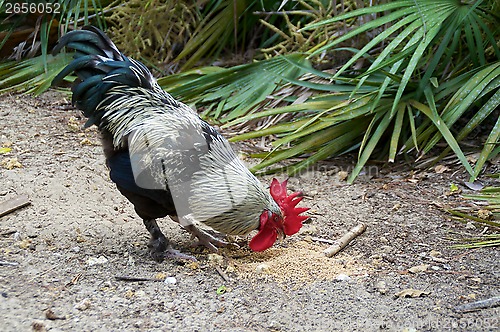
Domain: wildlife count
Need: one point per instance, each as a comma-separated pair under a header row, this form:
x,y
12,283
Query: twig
x,y
344,240
478,305
319,239
7,233
222,274
13,204
136,279
44,272
8,263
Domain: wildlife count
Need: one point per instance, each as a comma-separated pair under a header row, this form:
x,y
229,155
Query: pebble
x,y
215,258
97,260
262,268
83,304
381,286
170,280
342,277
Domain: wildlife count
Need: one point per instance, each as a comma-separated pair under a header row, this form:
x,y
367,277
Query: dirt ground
x,y
61,255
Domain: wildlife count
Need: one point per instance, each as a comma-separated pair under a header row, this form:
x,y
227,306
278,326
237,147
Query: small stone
x,y
419,268
470,226
10,163
342,277
97,260
439,169
49,314
381,286
262,268
310,230
435,253
342,175
215,258
83,304
485,214
170,280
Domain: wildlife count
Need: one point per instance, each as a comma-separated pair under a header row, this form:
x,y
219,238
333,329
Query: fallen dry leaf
x,y
86,141
485,214
73,124
10,163
24,244
410,292
441,169
161,276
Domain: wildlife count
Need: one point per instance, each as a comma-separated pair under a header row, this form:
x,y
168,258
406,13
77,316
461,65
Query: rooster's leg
x,y
159,246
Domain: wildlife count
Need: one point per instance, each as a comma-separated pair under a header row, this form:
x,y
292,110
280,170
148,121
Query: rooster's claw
x,y
205,239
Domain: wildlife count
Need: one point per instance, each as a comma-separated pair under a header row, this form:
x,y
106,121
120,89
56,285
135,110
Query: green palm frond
x,y
236,90
32,69
422,39
488,215
31,75
411,102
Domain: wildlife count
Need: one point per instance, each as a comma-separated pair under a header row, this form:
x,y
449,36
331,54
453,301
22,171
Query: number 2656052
x,y
32,8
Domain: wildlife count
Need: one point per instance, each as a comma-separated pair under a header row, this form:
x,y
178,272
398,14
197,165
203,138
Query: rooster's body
x,y
162,157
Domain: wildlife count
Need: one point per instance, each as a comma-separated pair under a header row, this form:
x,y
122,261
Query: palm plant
x,y
31,67
488,214
417,72
431,64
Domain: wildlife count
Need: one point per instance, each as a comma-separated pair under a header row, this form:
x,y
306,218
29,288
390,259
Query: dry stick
x,y
13,204
344,240
483,304
136,279
222,274
319,239
2,263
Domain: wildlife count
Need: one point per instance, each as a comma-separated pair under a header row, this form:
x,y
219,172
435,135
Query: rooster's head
x,y
275,226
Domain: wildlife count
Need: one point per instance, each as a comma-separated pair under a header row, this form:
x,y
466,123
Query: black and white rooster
x,y
165,159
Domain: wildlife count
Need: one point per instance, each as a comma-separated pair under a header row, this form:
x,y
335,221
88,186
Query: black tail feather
x,y
89,40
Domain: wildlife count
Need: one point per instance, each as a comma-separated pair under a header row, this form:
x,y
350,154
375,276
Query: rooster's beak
x,y
281,235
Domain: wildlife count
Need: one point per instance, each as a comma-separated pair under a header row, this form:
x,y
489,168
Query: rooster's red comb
x,y
292,218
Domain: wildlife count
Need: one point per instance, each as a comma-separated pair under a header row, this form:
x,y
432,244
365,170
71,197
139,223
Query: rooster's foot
x,y
159,247
205,239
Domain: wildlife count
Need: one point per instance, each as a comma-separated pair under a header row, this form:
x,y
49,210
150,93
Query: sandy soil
x,y
61,255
